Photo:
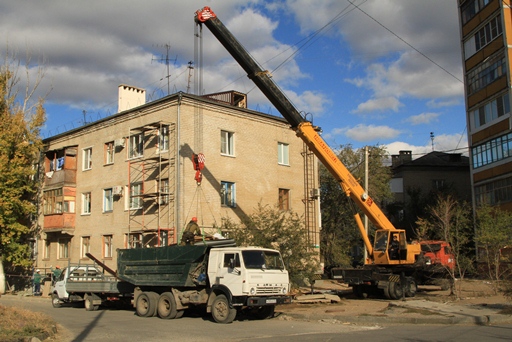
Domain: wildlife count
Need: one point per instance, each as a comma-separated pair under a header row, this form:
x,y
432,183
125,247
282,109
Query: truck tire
x,y
56,303
89,303
146,304
221,312
395,290
166,307
411,287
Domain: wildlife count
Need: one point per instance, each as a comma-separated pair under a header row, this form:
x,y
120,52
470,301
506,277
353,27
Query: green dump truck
x,y
219,278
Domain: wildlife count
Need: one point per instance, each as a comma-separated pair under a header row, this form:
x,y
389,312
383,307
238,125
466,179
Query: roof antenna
x,y
432,138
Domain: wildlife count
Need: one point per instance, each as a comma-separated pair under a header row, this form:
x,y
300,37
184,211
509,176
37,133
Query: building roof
x,y
438,159
172,97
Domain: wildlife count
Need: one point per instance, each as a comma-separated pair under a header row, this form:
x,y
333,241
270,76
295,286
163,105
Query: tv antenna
x,y
166,59
190,68
432,138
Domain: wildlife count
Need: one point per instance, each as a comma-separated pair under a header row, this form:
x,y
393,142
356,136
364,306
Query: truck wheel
x,y
411,287
264,312
146,304
56,303
395,290
221,311
89,304
166,306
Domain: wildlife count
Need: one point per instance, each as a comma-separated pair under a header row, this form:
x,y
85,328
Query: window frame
x,y
86,158
136,146
135,200
86,203
63,244
283,153
107,246
227,143
108,200
227,194
110,152
85,246
163,139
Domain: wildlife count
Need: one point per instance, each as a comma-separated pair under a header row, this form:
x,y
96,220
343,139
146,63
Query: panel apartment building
x,y
486,29
131,180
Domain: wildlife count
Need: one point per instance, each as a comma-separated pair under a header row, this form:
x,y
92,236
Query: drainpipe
x,y
178,182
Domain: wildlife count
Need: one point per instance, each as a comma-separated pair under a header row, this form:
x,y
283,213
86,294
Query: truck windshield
x,y
263,260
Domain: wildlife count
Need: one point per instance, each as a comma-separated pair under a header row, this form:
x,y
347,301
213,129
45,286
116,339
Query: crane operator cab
x,y
390,246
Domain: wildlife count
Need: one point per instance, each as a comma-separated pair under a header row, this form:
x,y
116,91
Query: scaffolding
x,y
311,199
151,185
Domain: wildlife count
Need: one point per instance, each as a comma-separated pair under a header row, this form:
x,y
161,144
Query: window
x,y
107,246
86,246
231,257
109,152
283,154
164,191
135,240
284,199
52,202
227,144
496,192
227,194
87,158
483,37
136,148
163,141
492,151
46,249
64,248
471,8
108,200
486,72
86,203
490,111
135,199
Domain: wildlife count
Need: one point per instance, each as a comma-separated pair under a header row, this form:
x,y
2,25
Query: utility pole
x,y
366,190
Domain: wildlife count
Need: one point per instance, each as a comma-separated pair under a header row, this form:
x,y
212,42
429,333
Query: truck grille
x,y
268,290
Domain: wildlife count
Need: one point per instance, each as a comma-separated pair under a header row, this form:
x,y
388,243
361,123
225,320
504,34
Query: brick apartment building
x,y
486,30
129,181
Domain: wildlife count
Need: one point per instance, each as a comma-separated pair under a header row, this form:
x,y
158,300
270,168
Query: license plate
x,y
271,301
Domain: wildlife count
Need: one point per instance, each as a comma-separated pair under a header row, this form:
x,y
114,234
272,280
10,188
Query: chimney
x,y
401,158
130,97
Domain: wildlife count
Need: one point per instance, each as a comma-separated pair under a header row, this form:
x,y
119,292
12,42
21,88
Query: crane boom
x,y
303,128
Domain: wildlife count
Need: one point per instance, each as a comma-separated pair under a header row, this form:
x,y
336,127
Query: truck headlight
x,y
284,290
252,291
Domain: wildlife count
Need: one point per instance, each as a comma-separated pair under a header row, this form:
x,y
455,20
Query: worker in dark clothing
x,y
192,229
394,248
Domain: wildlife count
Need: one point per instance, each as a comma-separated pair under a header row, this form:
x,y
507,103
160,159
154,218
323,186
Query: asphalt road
x,y
124,325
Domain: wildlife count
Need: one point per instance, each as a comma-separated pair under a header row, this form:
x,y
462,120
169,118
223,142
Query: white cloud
x,y
455,143
423,118
379,104
363,132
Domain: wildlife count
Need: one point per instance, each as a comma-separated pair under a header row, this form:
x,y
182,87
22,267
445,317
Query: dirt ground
x,y
470,292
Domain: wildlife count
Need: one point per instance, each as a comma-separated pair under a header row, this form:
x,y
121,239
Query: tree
x,y
341,242
492,236
282,230
20,145
450,220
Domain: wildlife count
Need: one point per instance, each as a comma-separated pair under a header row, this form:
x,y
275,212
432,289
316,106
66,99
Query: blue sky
x,y
384,72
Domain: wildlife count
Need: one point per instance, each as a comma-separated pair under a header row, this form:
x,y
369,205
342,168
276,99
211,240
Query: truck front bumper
x,y
273,300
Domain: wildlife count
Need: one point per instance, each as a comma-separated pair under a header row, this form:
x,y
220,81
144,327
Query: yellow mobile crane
x,y
395,273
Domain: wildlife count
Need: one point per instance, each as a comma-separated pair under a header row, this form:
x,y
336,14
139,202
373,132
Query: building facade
x,y
486,29
422,178
136,178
